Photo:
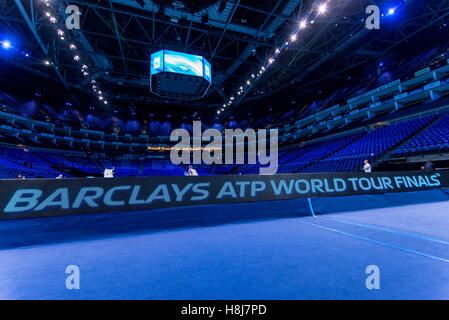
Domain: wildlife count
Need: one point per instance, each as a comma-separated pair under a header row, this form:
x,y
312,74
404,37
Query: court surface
x,y
321,257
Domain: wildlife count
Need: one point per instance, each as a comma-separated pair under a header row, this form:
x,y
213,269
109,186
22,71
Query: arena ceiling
x,y
117,37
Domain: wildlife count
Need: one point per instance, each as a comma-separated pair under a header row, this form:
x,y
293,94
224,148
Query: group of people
x,y
109,173
427,167
367,168
22,177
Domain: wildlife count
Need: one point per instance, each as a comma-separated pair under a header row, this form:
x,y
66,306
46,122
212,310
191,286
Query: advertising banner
x,y
56,197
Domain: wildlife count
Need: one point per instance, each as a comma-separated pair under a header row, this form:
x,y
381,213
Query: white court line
x,y
412,235
386,244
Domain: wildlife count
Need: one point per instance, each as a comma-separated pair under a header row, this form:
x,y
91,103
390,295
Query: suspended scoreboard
x,y
178,75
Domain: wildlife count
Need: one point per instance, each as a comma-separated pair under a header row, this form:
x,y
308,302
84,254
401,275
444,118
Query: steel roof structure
x,y
117,37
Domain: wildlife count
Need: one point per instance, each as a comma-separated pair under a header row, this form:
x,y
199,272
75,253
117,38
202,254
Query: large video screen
x,y
183,63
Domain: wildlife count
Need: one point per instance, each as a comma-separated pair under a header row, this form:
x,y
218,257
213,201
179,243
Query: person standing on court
x,y
192,172
429,166
366,166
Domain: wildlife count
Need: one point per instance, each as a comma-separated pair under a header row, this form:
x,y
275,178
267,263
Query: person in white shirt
x,y
367,166
108,173
192,172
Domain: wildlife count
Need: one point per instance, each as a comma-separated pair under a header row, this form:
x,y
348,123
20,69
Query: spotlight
x,y
322,8
303,24
76,58
46,62
6,44
271,60
277,50
391,11
53,20
293,37
72,46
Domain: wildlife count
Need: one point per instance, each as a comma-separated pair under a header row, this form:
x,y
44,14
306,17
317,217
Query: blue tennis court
x,y
303,257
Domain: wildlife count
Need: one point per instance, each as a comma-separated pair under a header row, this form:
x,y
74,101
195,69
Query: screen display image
x,y
178,62
157,62
207,70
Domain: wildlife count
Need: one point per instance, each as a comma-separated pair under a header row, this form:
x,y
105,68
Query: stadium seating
x,y
161,167
433,139
342,113
62,161
316,152
344,153
371,146
123,167
14,161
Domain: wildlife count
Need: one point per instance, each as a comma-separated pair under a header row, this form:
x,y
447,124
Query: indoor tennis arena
x,y
224,150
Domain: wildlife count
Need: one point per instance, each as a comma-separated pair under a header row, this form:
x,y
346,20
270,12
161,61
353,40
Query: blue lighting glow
x,y
391,11
6,44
